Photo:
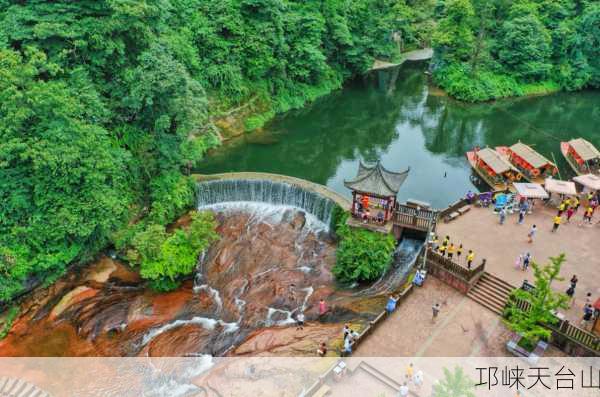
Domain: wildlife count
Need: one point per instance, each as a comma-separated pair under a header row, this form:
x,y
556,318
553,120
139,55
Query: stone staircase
x,y
491,292
19,388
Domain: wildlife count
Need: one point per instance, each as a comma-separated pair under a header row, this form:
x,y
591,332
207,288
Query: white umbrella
x,y
531,190
590,181
561,187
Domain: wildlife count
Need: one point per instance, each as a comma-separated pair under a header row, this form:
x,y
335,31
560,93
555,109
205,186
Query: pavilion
x,y
374,191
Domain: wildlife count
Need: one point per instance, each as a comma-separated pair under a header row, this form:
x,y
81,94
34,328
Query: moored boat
x,y
582,156
533,166
494,169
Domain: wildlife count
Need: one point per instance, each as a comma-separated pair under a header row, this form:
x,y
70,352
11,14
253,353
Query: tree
x,y
525,47
362,255
165,258
455,384
540,303
453,38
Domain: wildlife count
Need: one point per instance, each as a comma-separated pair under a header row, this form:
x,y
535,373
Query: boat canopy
x,y
585,150
561,187
533,158
494,161
531,190
590,181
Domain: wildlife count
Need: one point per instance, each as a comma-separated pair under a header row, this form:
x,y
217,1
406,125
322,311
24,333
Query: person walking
x,y
410,371
561,208
459,251
435,310
588,312
300,321
526,261
574,281
322,308
576,203
442,250
557,220
587,215
470,257
521,216
391,305
347,347
418,379
451,250
531,234
570,292
322,350
403,391
519,262
502,215
570,213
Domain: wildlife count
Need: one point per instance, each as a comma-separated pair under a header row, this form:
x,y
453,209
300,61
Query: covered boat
x,y
582,156
493,168
533,166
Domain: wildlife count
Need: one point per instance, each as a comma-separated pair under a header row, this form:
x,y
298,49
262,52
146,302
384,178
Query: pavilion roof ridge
x,y
377,179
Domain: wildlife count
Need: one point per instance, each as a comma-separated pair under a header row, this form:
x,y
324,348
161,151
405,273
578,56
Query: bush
x,y
7,322
362,255
164,259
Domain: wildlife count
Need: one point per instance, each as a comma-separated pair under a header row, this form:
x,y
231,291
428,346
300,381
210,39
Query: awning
x,y
531,190
561,187
590,181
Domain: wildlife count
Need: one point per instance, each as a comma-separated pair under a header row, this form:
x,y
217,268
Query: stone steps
x,y
491,292
19,388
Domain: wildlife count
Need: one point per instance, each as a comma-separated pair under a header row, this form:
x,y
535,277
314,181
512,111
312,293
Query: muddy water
x,y
247,290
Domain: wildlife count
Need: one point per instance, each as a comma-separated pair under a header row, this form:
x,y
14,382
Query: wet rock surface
x,y
243,300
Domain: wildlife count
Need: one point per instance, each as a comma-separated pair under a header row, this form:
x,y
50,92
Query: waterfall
x,y
265,191
404,259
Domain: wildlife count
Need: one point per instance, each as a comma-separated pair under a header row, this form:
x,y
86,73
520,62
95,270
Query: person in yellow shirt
x,y
459,251
451,250
576,203
409,372
442,250
587,216
470,257
561,208
557,221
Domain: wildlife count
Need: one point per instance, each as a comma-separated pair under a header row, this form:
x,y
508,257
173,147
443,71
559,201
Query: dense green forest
x,y
105,105
488,49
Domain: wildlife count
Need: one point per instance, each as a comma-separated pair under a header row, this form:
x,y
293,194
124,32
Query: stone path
x,y
480,230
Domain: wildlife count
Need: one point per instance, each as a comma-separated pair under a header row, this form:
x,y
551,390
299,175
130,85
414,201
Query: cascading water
x,y
264,191
405,257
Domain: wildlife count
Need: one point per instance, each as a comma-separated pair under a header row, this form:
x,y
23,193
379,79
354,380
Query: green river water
x,y
407,126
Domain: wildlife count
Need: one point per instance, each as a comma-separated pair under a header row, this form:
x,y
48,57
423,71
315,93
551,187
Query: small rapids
x,y
405,256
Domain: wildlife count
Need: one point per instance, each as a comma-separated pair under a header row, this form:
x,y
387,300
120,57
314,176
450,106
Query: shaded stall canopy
x,y
531,190
561,187
590,181
377,180
532,157
494,161
585,150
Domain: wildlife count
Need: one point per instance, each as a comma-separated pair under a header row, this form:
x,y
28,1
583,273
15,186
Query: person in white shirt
x,y
403,390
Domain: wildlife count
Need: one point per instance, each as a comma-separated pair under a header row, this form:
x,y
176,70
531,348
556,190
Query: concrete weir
x,y
304,184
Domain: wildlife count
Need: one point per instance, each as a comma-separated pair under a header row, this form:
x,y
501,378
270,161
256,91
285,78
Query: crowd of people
x,y
569,207
452,251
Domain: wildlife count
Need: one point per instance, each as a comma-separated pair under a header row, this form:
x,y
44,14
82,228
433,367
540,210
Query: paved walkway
x,y
463,327
480,230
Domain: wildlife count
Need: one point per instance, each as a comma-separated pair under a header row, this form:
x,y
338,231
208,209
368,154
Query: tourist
x,y
435,243
470,197
442,250
570,292
557,220
531,234
574,280
446,241
587,215
300,321
459,251
502,214
588,298
403,392
436,310
391,304
322,307
576,203
322,350
570,213
470,257
418,379
561,208
346,330
526,261
588,312
451,250
519,262
521,216
410,371
380,217
347,347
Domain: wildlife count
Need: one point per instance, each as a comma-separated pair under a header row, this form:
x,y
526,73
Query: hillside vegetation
x,y
489,49
105,105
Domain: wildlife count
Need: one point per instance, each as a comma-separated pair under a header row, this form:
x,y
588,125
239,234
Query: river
x,y
411,125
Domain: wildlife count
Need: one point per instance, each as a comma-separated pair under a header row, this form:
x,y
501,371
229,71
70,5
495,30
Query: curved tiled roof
x,y
377,180
584,149
535,159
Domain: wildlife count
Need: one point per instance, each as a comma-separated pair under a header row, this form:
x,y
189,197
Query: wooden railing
x,y
420,219
453,267
563,328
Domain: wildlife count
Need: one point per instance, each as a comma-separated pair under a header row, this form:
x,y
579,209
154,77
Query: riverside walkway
x,y
416,55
